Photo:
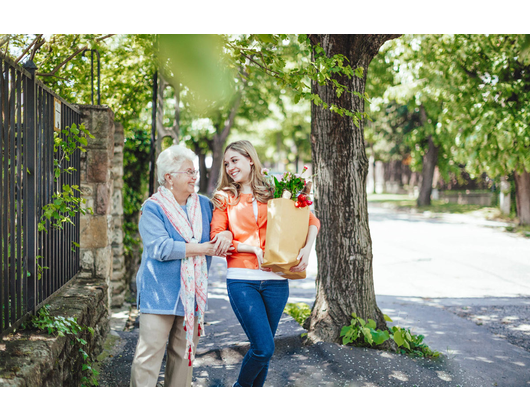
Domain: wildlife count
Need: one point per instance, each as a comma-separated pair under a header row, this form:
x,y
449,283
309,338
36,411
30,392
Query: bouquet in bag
x,y
287,223
291,186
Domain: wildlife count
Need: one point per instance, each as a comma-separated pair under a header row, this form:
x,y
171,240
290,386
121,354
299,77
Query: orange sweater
x,y
240,220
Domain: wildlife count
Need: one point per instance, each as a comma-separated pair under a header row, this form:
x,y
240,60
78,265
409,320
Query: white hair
x,y
170,160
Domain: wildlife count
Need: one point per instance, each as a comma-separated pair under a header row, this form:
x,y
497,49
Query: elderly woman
x,y
173,277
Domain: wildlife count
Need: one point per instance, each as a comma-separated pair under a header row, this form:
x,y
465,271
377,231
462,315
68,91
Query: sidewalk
x,y
473,355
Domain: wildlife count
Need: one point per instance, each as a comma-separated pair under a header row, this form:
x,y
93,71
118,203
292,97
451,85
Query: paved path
x,y
471,304
446,256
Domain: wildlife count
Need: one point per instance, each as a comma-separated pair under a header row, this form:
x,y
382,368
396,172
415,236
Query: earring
x,y
171,187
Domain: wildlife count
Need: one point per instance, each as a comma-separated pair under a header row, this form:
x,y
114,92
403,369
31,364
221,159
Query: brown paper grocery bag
x,y
287,228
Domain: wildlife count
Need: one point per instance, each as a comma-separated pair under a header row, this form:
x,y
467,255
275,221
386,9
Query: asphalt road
x,y
462,282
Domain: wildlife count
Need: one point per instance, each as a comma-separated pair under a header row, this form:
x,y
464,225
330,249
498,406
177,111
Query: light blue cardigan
x,y
158,278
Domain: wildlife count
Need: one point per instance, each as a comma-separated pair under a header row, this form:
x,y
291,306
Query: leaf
x,y
302,38
398,338
371,324
380,336
367,335
387,318
359,72
345,330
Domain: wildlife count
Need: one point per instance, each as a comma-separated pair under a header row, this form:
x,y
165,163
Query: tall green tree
x,y
424,105
344,247
488,78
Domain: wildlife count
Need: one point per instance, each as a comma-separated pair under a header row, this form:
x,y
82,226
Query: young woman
x,y
257,295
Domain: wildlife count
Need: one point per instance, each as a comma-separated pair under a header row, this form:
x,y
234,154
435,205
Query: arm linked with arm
x,y
220,227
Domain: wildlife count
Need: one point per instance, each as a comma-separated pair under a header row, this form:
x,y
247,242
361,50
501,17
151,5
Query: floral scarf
x,y
193,270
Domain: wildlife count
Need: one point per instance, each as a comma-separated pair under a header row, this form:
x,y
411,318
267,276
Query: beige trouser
x,y
154,332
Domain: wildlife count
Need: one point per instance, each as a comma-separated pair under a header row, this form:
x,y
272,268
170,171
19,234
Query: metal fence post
x,y
31,197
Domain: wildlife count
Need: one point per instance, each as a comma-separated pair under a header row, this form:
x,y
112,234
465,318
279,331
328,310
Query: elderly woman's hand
x,y
223,243
205,248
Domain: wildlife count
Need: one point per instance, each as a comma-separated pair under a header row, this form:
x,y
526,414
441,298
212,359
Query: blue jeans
x,y
258,306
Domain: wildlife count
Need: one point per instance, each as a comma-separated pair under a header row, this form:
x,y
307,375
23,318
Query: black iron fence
x,y
33,264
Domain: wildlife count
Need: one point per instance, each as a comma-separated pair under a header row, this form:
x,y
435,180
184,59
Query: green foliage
x,y
473,90
299,311
136,151
265,54
65,204
412,344
366,330
128,62
62,327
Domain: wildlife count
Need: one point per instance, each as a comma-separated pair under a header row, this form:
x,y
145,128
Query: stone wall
x,y
101,185
35,358
118,283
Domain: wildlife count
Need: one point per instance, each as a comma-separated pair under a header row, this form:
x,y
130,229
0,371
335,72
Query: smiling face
x,y
182,183
237,166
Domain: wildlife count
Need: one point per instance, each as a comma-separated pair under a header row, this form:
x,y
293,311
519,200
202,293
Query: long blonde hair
x,y
228,191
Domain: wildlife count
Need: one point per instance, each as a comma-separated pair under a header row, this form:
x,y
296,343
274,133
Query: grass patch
x,y
299,311
521,230
404,201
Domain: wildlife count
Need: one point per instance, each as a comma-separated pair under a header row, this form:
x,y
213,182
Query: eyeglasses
x,y
189,172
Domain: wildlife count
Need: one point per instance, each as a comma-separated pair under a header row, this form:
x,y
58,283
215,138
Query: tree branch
x,y
233,111
27,49
36,48
57,68
4,39
80,50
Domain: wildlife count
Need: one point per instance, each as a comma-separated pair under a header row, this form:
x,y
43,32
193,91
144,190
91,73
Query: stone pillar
x,y
118,282
97,188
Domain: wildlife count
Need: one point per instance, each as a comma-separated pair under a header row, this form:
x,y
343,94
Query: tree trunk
x,y
203,170
430,159
344,247
217,160
219,140
522,196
